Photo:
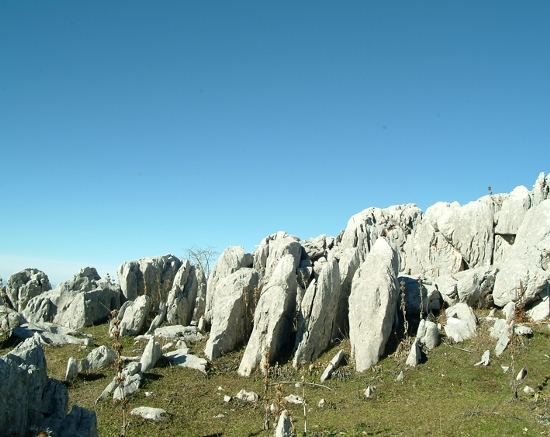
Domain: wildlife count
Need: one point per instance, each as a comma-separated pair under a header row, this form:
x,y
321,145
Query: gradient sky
x,y
140,128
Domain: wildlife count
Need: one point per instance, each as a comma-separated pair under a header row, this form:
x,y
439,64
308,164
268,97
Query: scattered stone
x,y
428,334
227,398
284,425
505,368
334,363
401,376
523,330
509,311
415,355
528,389
485,359
219,416
461,322
149,413
521,374
182,358
294,399
247,396
189,334
369,391
151,355
321,404
72,369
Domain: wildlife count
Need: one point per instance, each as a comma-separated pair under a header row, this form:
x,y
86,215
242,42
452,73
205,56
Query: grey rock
x,y
523,330
316,317
72,369
541,189
188,334
513,210
47,333
372,304
461,322
151,354
151,276
183,295
131,381
509,311
132,315
232,312
182,358
334,363
415,355
503,245
149,413
10,319
159,318
247,396
24,285
273,317
80,422
539,309
84,300
231,260
501,330
272,249
401,376
525,272
473,286
369,391
428,334
521,374
485,359
29,399
200,300
430,295
284,425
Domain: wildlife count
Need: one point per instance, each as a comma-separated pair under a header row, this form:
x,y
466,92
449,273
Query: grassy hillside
x,y
445,396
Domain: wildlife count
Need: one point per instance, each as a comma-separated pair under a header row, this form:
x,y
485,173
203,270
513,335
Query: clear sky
x,y
140,128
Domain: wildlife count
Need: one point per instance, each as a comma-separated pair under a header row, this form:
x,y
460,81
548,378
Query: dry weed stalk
x,y
265,368
421,291
119,364
403,310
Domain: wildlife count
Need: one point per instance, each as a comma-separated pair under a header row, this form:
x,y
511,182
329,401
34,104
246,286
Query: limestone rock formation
x,y
183,295
372,304
152,276
232,312
273,316
132,315
25,285
316,317
29,399
473,287
84,300
232,259
525,272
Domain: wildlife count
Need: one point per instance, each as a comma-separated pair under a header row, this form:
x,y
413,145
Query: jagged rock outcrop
x,y
525,273
31,400
372,304
24,285
232,312
9,318
273,317
272,249
182,297
132,316
152,276
84,300
317,314
473,287
151,354
232,259
541,189
513,211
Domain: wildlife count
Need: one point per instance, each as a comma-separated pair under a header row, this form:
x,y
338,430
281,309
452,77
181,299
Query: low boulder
x,y
461,322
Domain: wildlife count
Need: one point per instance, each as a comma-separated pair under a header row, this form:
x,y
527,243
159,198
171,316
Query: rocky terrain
x,y
390,270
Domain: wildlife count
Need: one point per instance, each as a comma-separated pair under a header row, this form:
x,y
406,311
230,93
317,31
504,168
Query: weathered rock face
x,y
526,271
473,287
183,295
419,296
272,249
232,259
152,276
468,228
541,189
132,316
84,300
273,317
29,399
9,318
317,314
372,304
232,312
25,285
512,212
200,301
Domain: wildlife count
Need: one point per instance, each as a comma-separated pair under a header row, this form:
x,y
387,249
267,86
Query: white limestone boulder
x,y
317,314
273,317
272,249
151,276
182,297
232,312
31,400
132,316
84,300
461,322
473,287
24,285
372,304
513,210
428,334
525,272
232,259
151,354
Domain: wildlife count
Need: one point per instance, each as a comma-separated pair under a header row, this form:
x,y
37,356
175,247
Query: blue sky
x,y
139,128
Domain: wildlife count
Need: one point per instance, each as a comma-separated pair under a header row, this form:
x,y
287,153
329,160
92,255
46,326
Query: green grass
x,y
445,396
